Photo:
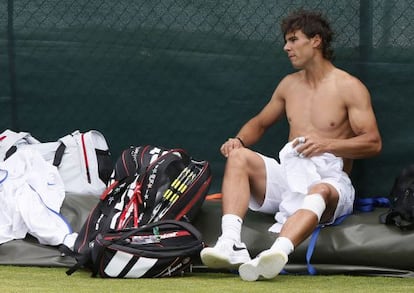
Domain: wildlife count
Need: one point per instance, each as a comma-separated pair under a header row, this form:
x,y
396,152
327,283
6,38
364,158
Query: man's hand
x,y
309,146
229,145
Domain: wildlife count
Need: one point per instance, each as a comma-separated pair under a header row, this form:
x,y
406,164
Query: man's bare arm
x,y
253,130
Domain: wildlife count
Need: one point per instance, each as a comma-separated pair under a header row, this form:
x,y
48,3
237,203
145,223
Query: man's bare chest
x,y
317,111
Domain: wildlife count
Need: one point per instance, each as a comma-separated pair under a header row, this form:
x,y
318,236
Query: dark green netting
x,y
189,73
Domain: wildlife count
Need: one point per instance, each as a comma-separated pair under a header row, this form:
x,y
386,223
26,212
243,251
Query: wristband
x,y
241,141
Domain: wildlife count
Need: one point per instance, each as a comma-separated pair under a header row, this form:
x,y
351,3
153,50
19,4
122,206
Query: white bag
x,y
83,160
10,141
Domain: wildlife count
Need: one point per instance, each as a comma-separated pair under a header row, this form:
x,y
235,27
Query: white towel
x,y
300,174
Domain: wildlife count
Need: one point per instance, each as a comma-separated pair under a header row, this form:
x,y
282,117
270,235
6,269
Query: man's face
x,y
299,47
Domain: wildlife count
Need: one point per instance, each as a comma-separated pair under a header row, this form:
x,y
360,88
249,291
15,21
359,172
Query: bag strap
x,y
151,226
81,259
368,204
362,205
10,152
313,240
9,140
59,154
312,244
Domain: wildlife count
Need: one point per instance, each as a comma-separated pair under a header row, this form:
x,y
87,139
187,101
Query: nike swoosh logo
x,y
235,248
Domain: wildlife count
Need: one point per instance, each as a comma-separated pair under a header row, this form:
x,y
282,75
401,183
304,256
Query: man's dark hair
x,y
311,24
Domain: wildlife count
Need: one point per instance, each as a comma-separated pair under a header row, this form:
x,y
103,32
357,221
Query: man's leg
x,y
244,175
297,228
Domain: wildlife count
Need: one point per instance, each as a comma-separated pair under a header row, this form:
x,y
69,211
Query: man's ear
x,y
317,41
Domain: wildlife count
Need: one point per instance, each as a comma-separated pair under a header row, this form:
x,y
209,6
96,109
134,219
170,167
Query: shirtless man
x,y
329,113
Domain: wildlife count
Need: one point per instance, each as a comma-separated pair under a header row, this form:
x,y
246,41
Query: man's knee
x,y
330,197
246,164
237,154
314,203
238,158
323,189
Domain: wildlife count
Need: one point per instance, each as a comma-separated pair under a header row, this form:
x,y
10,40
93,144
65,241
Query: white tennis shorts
x,y
279,199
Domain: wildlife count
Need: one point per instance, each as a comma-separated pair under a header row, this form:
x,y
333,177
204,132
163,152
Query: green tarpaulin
x,y
358,246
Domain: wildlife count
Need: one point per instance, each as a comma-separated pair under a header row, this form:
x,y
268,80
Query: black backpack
x,y
148,184
161,249
401,212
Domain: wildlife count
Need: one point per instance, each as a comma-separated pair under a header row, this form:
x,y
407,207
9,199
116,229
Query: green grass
x,y
42,279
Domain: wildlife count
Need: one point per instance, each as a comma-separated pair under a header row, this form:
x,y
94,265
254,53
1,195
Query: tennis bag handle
x,y
184,249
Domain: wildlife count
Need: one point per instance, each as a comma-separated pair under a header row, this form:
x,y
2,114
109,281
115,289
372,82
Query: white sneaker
x,y
225,254
267,264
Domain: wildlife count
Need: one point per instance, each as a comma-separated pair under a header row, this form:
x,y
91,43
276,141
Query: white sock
x,y
284,244
231,227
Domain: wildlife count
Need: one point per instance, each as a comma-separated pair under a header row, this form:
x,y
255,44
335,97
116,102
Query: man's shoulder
x,y
294,75
346,82
349,86
345,77
292,78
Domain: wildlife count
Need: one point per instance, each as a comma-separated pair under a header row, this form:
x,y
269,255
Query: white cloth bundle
x,y
31,195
